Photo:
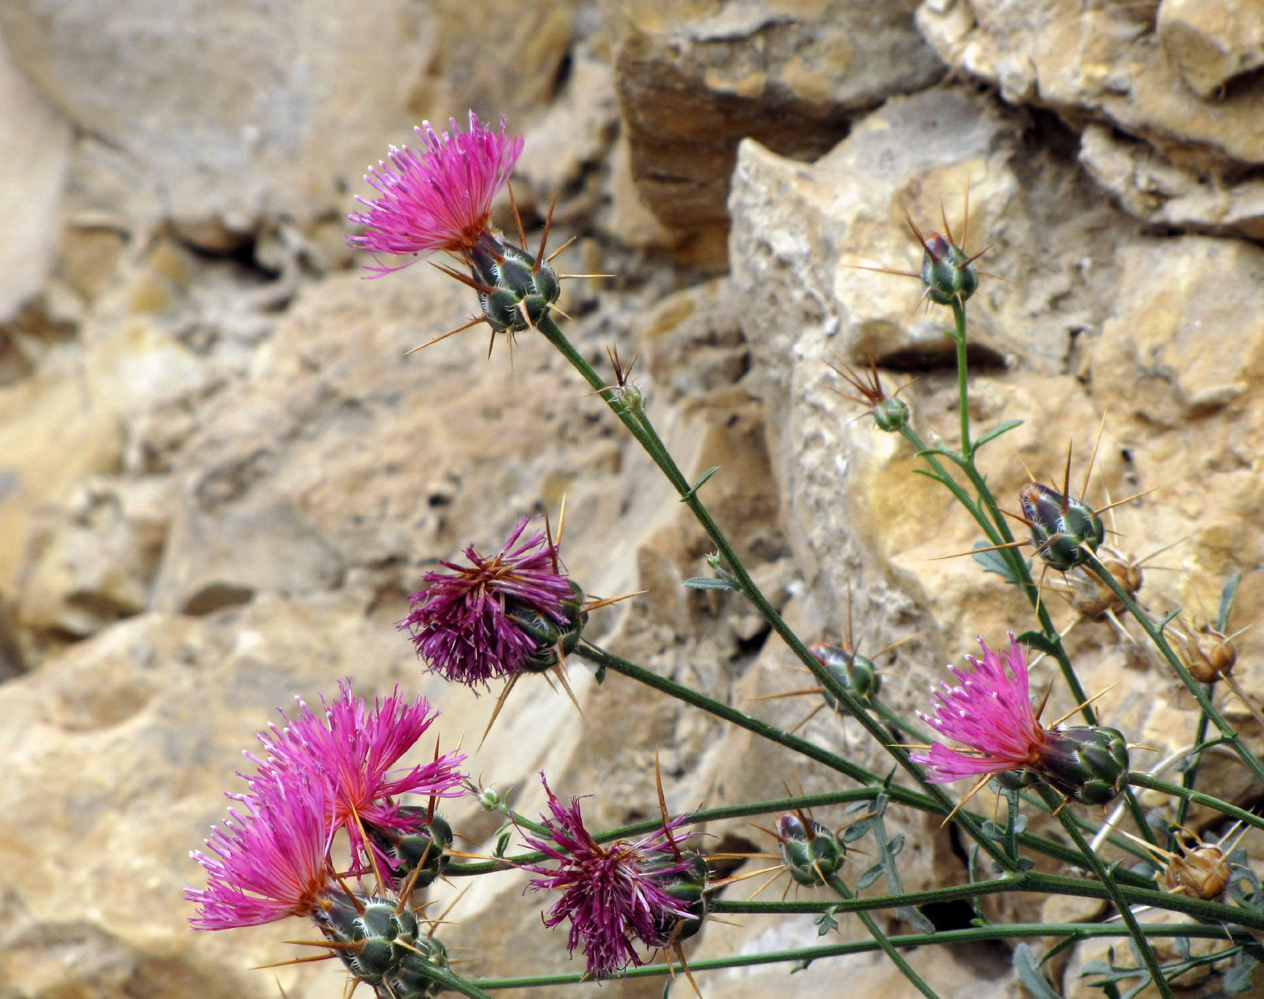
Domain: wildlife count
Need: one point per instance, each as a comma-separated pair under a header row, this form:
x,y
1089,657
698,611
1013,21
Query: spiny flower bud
x,y
375,933
948,273
1201,872
1062,527
1209,656
423,845
410,980
1087,764
688,888
548,633
812,854
523,287
855,672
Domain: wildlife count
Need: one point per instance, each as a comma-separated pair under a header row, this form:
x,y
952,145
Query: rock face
x,y
1170,84
221,474
788,74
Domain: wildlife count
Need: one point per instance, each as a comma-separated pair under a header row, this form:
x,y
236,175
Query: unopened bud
x,y
1087,764
374,934
948,274
855,672
425,846
891,415
410,980
811,852
522,287
1063,529
1202,872
1209,656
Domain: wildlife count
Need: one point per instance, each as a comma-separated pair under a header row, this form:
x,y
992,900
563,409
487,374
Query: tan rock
x,y
36,141
694,80
1212,41
233,114
1104,64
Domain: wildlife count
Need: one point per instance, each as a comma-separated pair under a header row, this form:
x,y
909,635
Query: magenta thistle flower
x,y
270,862
437,197
465,622
352,750
990,718
610,893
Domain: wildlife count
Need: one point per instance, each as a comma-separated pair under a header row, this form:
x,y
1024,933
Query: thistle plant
x,y
633,899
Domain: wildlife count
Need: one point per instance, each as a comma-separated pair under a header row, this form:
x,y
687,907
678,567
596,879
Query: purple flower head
x,y
464,623
990,718
609,893
269,863
437,197
351,750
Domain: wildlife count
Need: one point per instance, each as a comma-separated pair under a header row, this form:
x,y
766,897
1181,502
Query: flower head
x,y
466,623
610,893
989,716
269,863
352,750
437,197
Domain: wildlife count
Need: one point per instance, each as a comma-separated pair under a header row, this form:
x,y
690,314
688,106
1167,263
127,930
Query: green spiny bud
x,y
1063,529
812,854
549,632
522,288
425,846
1087,764
857,673
375,933
410,980
948,273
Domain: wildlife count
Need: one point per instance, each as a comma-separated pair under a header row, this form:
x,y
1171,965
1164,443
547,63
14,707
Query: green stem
x,y
639,425
883,941
1078,931
1156,636
963,384
1031,882
1196,797
1190,776
1116,895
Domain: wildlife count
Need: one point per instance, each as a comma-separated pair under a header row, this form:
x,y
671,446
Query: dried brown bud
x,y
1208,654
1201,872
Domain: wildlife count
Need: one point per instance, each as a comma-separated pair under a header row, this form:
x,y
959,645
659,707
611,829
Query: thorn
x,y
1084,704
522,233
1066,482
444,336
544,236
549,260
500,703
1093,457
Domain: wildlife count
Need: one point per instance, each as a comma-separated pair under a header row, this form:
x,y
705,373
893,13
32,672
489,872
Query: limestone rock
x,y
234,110
693,81
1212,41
36,142
1104,64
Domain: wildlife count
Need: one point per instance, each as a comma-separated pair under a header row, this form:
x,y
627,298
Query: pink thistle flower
x,y
269,863
437,197
464,624
352,750
989,716
609,893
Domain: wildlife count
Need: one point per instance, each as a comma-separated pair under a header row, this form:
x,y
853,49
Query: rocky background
x,y
219,480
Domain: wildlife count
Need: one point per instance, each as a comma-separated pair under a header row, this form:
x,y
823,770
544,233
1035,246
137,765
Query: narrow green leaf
x,y
1039,641
869,877
709,583
698,485
1226,602
996,432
